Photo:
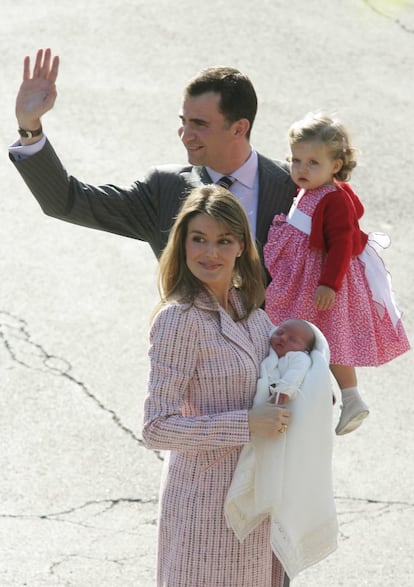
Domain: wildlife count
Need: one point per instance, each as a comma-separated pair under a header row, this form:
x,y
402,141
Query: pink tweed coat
x,y
204,369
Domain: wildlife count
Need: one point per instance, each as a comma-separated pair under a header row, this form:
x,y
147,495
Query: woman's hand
x,y
268,419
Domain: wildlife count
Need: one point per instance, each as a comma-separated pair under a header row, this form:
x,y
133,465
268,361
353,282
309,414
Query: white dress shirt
x,y
245,187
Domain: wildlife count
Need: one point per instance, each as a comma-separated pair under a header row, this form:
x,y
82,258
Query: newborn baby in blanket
x,y
283,370
289,477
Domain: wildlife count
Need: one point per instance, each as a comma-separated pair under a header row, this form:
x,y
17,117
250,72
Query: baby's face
x,y
289,336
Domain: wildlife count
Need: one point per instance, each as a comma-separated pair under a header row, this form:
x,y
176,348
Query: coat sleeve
x,y
339,224
174,352
135,211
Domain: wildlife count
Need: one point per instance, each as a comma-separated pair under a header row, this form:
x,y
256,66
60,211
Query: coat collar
x,y
237,332
196,177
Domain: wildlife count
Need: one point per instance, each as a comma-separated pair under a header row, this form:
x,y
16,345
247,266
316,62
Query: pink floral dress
x,y
359,333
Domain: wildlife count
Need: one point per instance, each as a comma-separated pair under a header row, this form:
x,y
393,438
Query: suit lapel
x,y
196,177
276,193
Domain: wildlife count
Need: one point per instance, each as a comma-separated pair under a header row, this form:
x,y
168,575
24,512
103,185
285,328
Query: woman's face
x,y
211,252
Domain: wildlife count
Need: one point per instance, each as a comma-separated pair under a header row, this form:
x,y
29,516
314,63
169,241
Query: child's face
x,y
289,336
311,164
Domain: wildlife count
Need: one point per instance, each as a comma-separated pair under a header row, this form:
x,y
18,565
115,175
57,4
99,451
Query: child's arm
x,y
293,367
340,223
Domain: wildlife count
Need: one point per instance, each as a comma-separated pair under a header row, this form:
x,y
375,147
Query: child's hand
x,y
324,298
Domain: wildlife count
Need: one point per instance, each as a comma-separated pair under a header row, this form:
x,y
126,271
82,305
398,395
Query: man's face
x,y
209,139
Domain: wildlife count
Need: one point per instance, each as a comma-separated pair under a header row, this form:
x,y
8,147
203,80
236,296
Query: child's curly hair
x,y
332,133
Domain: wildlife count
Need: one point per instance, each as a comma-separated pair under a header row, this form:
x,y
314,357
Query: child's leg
x,y
344,375
353,409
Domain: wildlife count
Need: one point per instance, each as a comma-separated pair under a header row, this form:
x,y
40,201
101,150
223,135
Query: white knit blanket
x,y
289,478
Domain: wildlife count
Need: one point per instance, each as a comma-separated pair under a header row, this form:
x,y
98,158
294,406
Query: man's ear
x,y
241,127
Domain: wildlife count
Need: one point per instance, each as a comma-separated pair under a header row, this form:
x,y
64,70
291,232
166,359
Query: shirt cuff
x,y
20,152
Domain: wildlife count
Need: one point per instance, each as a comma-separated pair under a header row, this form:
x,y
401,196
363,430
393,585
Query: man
x,y
218,111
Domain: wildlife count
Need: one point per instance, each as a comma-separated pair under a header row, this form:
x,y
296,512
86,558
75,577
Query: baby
x,y
283,370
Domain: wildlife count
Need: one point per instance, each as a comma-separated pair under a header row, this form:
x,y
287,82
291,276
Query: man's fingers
x,y
54,70
38,63
26,68
45,65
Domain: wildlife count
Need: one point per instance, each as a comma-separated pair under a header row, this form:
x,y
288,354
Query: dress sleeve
x,y
174,353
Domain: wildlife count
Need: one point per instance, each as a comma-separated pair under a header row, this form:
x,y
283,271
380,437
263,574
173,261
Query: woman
x,y
207,341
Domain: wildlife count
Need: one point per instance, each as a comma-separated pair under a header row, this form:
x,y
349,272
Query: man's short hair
x,y
238,97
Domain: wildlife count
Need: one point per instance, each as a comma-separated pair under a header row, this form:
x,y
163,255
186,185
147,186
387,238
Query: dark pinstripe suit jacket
x,y
144,211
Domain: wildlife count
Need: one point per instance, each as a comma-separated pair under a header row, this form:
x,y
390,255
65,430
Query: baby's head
x,y
292,335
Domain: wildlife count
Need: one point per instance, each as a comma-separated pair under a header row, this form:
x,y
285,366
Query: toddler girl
x,y
326,270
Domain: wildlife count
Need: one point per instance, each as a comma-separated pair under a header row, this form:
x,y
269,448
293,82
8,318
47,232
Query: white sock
x,y
349,392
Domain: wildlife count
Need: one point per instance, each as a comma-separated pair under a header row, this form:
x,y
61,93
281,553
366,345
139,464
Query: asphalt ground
x,y
78,491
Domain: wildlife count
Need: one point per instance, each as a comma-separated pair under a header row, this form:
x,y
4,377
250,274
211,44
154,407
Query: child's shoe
x,y
353,411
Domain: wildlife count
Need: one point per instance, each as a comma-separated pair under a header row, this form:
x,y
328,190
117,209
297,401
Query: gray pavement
x,y
78,491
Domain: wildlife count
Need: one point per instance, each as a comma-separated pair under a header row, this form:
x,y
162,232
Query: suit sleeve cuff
x,y
18,152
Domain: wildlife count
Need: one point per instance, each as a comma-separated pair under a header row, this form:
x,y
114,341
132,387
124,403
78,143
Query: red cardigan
x,y
335,229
